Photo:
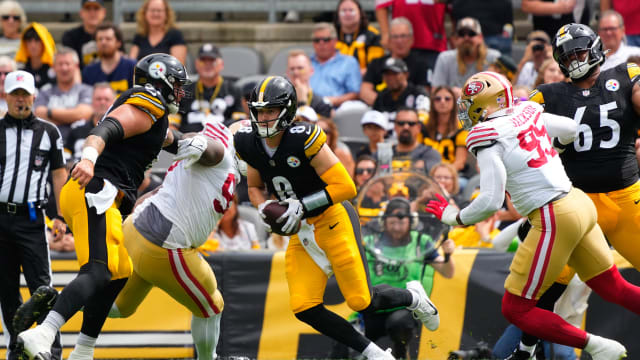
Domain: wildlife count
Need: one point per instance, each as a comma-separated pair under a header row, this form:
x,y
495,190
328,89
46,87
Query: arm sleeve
x,y
493,179
562,127
340,186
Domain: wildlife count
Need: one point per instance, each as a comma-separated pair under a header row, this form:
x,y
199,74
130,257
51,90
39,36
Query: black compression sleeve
x,y
173,147
109,129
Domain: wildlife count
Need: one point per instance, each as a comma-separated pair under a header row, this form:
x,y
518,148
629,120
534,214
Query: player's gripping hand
x,y
263,217
443,210
293,215
191,149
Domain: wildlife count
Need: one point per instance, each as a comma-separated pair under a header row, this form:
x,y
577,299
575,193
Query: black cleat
x,y
36,307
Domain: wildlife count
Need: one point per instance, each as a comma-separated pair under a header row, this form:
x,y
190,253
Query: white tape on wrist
x,y
90,153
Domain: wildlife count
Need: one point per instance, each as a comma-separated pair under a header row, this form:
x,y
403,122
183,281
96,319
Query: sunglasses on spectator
x,y
322,39
4,73
442,98
465,32
361,171
402,123
14,17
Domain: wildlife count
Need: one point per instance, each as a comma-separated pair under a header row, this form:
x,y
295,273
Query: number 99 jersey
x,y
602,158
288,173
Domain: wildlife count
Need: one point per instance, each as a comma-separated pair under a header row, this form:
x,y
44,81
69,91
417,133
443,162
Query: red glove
x,y
443,210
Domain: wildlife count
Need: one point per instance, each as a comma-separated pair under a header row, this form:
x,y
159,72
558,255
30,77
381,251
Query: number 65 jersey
x,y
287,173
602,158
534,172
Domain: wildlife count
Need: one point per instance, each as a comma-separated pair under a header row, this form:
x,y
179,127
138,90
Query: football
x,y
272,212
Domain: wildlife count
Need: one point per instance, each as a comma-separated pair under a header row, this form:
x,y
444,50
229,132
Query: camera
x,y
481,351
537,47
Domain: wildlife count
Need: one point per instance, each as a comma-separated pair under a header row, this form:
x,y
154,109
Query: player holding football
x,y
293,162
514,152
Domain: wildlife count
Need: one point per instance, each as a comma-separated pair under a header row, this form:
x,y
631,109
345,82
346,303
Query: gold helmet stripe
x,y
263,87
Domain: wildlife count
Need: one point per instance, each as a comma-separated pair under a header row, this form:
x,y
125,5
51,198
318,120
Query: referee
x,y
29,148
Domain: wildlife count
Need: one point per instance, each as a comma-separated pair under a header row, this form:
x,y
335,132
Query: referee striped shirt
x,y
29,149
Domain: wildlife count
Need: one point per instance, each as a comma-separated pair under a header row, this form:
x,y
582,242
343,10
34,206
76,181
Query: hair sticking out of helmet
x,y
274,92
578,51
163,73
482,95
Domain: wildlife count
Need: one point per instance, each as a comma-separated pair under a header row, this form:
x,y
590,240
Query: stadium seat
x,y
279,63
348,122
240,61
247,83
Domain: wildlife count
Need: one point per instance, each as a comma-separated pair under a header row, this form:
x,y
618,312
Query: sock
x,y
205,333
612,287
372,350
334,326
86,340
544,324
52,323
528,348
387,297
547,302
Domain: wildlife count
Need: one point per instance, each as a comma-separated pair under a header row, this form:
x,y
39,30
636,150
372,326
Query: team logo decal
x,y
473,88
157,70
293,161
612,85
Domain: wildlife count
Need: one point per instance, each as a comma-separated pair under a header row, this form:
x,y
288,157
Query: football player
x,y
165,230
102,188
293,161
514,151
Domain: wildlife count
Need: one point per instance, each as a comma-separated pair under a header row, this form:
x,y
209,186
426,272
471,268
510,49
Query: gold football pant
x,y
563,232
337,233
181,273
98,237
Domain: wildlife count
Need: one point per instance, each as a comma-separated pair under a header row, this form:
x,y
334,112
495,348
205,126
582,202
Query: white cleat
x,y
36,343
386,355
425,310
605,349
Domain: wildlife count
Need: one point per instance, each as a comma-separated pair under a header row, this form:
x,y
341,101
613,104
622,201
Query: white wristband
x,y
90,153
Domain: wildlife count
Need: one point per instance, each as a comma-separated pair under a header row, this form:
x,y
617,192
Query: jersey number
x,y
227,192
531,139
283,188
584,140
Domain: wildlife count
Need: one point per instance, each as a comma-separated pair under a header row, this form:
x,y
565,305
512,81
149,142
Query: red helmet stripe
x,y
508,90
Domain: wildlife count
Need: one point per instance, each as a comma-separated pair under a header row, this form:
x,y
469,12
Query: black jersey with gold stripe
x,y
364,46
602,158
124,162
288,173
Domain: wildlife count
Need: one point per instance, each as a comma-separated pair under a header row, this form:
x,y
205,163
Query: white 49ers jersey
x,y
535,174
195,198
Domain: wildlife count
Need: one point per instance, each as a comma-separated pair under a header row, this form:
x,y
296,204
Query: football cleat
x,y
36,343
518,354
35,308
425,310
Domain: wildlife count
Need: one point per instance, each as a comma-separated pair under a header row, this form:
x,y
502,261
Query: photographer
x,y
537,51
397,256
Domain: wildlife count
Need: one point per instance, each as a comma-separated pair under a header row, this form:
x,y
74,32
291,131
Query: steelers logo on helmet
x,y
157,70
473,88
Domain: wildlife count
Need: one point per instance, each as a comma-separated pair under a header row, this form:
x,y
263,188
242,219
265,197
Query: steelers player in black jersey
x,y
102,189
293,161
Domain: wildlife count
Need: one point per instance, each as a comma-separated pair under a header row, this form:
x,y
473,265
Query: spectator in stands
x,y
521,92
537,51
66,101
549,73
399,91
355,36
213,99
454,67
35,54
101,99
336,76
365,169
374,126
443,131
504,65
630,11
234,233
410,154
112,66
83,37
400,42
299,71
156,32
306,113
611,31
446,176
495,17
427,23
550,15
7,65
14,19
405,246
339,148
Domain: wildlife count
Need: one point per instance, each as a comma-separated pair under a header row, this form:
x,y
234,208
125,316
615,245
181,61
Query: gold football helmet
x,y
483,94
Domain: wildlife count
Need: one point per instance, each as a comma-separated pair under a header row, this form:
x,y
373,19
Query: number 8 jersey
x,y
287,172
602,158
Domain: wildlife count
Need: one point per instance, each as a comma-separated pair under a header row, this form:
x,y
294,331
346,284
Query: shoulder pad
x,y
241,140
311,134
147,100
482,135
634,71
536,96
